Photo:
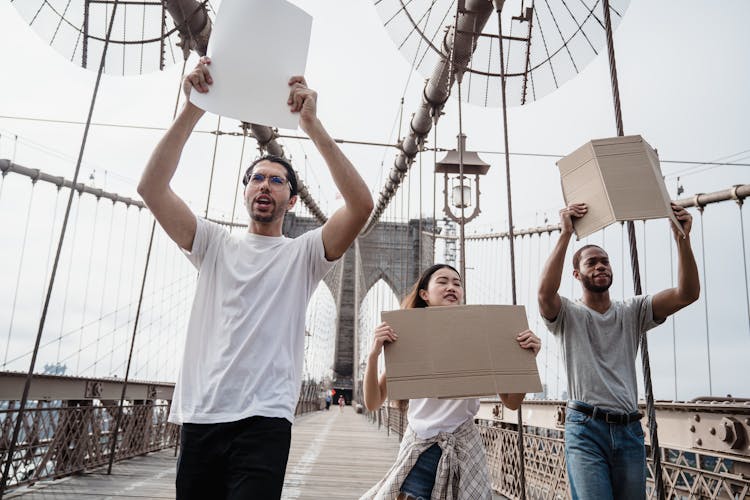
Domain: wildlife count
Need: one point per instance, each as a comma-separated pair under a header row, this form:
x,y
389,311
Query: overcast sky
x,y
683,80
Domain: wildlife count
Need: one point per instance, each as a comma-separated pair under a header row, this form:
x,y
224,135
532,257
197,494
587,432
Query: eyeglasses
x,y
274,181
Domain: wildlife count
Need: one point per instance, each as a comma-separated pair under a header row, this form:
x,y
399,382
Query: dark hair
x,y
577,255
413,299
291,176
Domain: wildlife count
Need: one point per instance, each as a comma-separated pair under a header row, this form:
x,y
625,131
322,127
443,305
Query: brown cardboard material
x,y
458,351
619,179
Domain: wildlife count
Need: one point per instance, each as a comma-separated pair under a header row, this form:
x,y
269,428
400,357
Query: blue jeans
x,y
604,461
420,480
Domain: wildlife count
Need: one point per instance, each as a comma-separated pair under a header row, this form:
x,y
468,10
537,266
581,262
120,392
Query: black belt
x,y
604,415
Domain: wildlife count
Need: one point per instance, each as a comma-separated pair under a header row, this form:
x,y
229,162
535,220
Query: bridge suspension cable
x,y
239,174
18,275
27,385
89,277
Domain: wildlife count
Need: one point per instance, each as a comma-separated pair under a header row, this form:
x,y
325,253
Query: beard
x,y
265,218
589,285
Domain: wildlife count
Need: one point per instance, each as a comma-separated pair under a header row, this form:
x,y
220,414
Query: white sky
x,y
683,81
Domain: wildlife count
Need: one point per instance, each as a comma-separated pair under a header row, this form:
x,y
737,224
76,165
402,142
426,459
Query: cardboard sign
x,y
458,351
618,179
255,47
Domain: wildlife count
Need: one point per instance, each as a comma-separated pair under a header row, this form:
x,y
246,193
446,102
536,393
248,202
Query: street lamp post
x,y
457,167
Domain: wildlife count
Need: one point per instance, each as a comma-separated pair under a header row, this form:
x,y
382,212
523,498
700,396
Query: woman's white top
x,y
429,417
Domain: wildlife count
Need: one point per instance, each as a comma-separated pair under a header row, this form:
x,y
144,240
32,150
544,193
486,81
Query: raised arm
x,y
549,283
170,210
527,340
688,287
344,225
375,389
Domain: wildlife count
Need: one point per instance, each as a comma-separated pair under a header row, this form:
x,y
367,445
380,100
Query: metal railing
x,y
393,418
688,473
544,460
311,398
67,426
59,438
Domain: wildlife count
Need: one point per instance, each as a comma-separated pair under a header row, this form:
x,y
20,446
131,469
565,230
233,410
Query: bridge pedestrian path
x,y
334,454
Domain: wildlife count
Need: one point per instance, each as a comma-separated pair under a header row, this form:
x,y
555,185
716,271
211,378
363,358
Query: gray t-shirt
x,y
599,350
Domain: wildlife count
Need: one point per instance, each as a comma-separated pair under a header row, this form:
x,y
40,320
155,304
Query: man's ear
x,y
292,202
244,196
577,274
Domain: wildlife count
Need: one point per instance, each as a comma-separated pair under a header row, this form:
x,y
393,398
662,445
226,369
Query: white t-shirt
x,y
244,348
429,417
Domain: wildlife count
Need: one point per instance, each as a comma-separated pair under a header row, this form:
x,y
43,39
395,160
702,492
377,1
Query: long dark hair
x,y
413,299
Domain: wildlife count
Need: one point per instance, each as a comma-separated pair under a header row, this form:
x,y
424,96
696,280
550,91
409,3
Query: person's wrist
x,y
192,109
312,127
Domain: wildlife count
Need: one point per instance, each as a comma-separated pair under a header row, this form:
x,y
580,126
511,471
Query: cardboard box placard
x,y
458,351
619,179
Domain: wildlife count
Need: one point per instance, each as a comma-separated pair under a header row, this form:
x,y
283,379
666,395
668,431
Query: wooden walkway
x,y
333,455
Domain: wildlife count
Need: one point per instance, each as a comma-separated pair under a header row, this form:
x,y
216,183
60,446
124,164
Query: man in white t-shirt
x,y
599,339
241,370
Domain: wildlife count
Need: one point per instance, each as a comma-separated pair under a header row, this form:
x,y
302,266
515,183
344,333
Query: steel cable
x,y
42,320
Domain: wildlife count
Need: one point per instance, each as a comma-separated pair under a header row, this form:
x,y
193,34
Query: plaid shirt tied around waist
x,y
461,473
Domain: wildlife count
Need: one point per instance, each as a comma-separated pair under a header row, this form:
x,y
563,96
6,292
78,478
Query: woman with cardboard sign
x,y
441,454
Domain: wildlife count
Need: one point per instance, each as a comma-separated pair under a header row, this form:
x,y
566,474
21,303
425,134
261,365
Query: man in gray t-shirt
x,y
599,337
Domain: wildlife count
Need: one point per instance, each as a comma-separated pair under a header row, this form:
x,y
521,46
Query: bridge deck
x,y
333,455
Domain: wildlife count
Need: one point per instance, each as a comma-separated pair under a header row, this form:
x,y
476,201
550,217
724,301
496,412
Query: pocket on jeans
x,y
636,429
575,417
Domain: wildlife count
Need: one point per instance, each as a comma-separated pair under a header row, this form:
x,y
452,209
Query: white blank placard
x,y
255,47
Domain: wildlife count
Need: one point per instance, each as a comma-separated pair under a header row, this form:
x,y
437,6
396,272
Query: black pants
x,y
235,460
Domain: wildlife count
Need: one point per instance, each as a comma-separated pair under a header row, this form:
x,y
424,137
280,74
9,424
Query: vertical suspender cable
x,y
213,164
511,238
461,178
460,146
674,333
405,277
43,318
138,315
50,245
409,247
113,443
89,274
547,333
119,274
740,204
239,174
74,238
645,259
653,434
622,259
419,258
104,288
18,274
705,305
434,185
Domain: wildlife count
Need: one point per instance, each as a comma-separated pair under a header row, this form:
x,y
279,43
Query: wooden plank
x,y
337,454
